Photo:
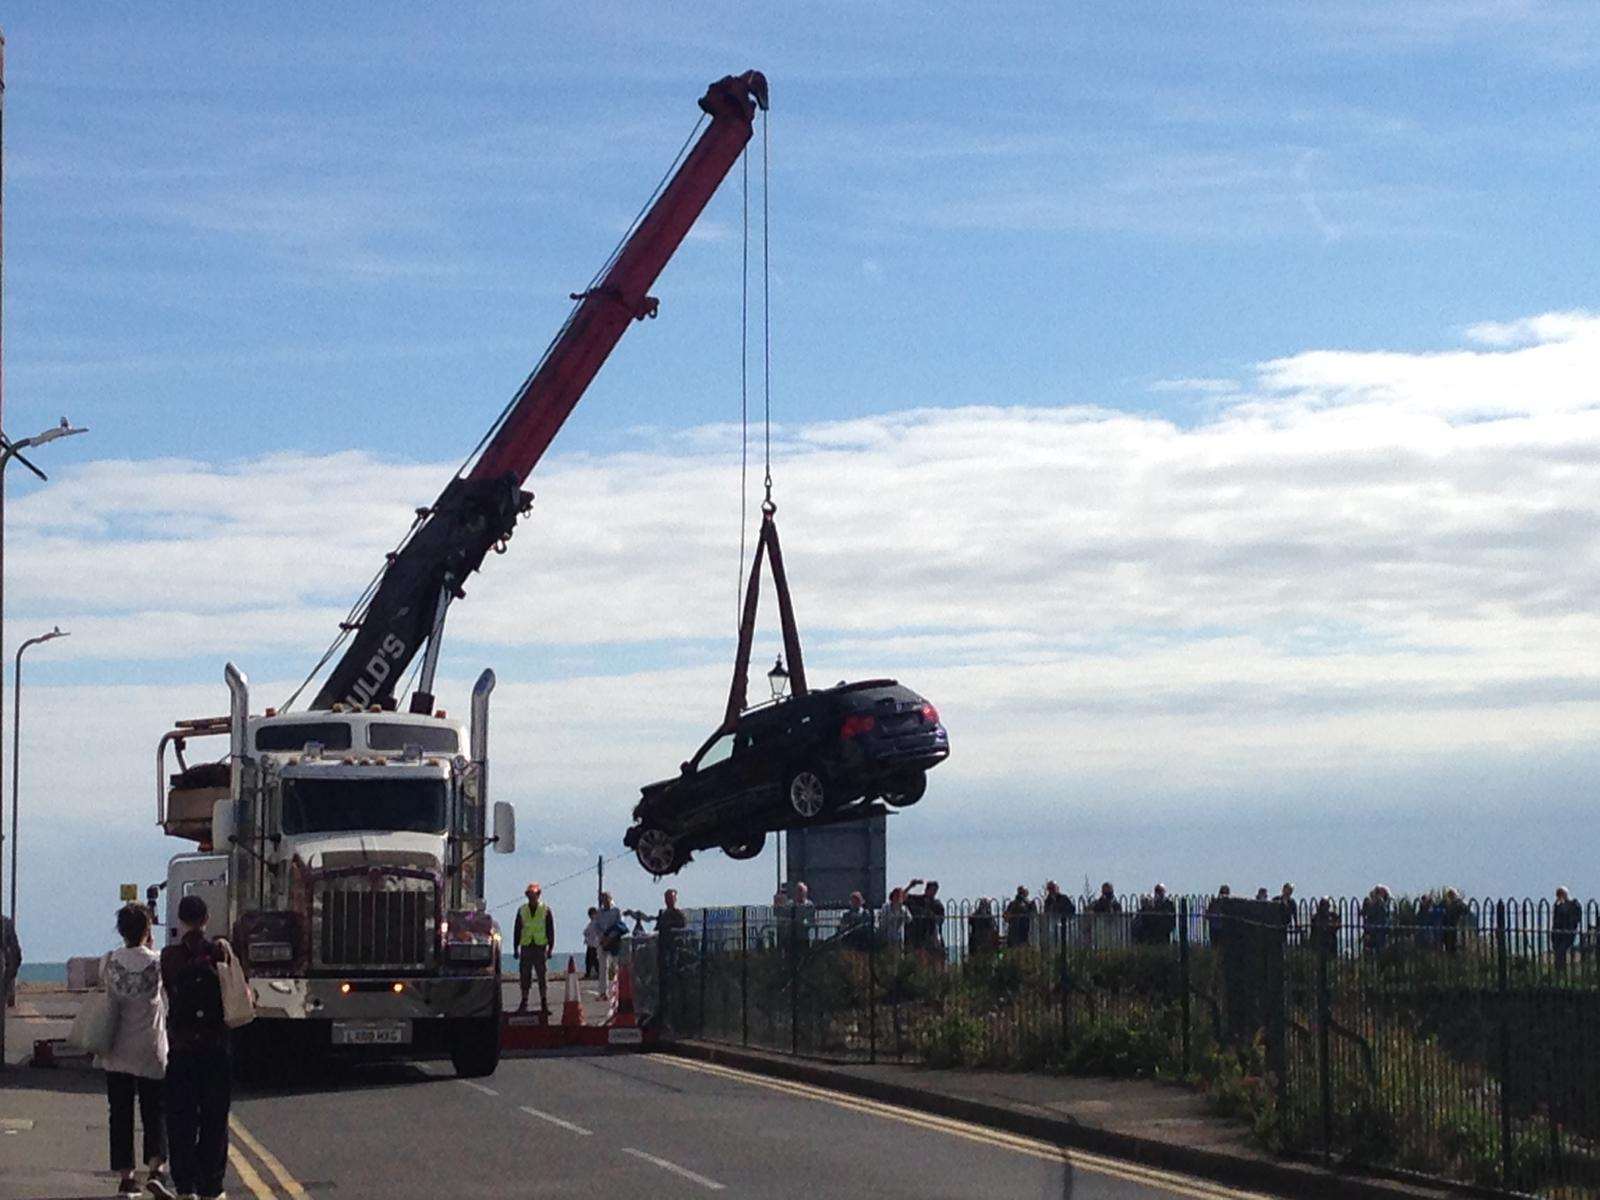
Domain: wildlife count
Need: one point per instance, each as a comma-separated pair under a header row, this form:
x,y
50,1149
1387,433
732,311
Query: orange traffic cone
x,y
572,1007
622,1016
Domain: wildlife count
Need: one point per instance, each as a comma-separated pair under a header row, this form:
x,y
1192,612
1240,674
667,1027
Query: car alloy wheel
x,y
807,796
655,851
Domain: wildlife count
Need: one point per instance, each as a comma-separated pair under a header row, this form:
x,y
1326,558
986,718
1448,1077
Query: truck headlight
x,y
470,952
261,952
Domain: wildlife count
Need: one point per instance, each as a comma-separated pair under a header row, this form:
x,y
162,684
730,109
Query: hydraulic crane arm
x,y
477,511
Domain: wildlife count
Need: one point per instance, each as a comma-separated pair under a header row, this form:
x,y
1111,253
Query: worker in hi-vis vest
x,y
533,940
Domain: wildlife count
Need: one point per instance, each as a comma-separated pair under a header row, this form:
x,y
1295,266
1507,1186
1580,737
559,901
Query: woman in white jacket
x,y
136,1064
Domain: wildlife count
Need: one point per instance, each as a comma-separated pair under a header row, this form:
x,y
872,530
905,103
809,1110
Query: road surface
x,y
640,1126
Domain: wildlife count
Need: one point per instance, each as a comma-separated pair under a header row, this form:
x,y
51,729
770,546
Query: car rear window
x,y
868,698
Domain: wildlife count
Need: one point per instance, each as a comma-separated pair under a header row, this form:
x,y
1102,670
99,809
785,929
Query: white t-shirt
x,y
132,977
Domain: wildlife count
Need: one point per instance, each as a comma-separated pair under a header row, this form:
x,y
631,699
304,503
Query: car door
x,y
760,757
706,787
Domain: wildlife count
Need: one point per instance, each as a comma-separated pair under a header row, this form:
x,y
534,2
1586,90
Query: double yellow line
x,y
253,1179
1078,1160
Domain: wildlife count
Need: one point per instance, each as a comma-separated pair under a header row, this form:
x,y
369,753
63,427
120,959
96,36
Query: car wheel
x,y
745,847
906,791
656,851
806,793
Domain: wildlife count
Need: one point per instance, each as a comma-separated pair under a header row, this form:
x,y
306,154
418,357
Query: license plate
x,y
371,1033
625,1037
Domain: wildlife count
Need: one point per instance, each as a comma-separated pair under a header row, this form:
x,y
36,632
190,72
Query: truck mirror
x,y
222,828
505,827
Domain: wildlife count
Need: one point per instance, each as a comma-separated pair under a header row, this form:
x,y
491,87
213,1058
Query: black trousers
x,y
199,1090
120,1091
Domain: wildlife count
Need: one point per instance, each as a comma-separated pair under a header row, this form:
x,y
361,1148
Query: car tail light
x,y
856,725
930,714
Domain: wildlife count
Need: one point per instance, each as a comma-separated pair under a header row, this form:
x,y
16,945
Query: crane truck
x,y
342,846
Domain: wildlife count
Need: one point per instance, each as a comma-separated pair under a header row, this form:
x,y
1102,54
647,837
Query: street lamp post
x,y
8,451
16,752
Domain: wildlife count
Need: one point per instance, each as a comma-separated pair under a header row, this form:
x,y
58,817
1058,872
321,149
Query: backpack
x,y
196,992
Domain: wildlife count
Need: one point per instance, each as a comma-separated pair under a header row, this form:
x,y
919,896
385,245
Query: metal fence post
x,y
794,979
1502,970
1324,1065
1183,976
744,974
705,946
872,986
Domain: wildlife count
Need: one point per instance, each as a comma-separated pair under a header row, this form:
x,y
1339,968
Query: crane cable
x,y
767,505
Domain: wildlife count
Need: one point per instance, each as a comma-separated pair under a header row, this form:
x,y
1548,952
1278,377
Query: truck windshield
x,y
347,805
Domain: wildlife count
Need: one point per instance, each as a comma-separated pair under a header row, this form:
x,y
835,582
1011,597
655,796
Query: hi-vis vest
x,y
534,924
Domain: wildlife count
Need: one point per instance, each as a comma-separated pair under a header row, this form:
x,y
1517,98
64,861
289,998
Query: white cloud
x,y
1364,562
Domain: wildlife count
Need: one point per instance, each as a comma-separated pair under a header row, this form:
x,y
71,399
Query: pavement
x,y
657,1125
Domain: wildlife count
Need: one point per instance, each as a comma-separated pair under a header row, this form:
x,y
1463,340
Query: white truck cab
x,y
341,851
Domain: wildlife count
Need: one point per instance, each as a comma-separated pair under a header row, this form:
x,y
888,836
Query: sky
x,y
1200,406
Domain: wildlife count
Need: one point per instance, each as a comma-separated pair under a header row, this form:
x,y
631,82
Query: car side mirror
x,y
505,828
686,768
222,826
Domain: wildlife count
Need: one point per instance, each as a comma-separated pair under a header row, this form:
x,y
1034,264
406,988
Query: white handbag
x,y
95,1027
238,1005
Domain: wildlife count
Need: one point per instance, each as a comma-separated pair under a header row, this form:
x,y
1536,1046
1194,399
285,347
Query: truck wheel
x,y
807,793
475,1047
906,790
656,851
744,847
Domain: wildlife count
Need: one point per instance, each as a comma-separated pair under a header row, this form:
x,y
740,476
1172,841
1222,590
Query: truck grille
x,y
375,923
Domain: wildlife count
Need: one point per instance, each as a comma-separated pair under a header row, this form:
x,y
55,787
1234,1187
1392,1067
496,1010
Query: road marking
x,y
692,1176
478,1087
1132,1172
555,1120
247,1173
288,1182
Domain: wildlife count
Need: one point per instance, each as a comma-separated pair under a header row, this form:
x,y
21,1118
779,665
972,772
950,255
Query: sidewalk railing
x,y
1462,1044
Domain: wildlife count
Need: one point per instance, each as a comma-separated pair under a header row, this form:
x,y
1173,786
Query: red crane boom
x,y
478,510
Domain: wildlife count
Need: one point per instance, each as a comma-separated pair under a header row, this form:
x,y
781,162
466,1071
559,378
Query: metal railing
x,y
1457,1039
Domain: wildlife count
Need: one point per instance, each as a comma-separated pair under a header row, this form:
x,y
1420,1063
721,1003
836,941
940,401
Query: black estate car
x,y
788,763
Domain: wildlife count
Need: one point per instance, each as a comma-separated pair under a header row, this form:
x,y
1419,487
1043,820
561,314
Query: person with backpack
x,y
199,1073
135,1063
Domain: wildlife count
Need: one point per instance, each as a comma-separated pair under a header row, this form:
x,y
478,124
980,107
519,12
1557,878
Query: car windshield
x,y
349,804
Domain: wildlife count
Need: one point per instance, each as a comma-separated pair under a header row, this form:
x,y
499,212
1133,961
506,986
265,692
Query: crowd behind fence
x,y
1456,1039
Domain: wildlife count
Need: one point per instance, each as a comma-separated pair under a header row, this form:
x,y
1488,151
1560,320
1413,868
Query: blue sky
x,y
1198,404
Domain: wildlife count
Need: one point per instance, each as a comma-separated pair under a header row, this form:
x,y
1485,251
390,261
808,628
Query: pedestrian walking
x,y
10,961
1453,912
609,931
1565,918
1019,918
136,1063
199,1086
533,941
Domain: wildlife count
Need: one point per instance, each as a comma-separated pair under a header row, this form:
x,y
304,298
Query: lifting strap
x,y
738,694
